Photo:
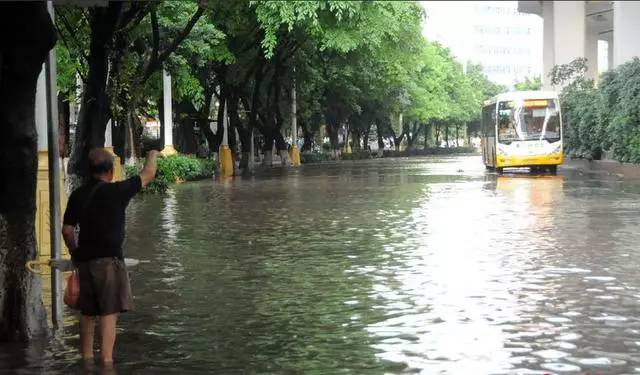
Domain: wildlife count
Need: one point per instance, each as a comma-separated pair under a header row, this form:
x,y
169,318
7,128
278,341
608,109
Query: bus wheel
x,y
489,168
553,169
500,170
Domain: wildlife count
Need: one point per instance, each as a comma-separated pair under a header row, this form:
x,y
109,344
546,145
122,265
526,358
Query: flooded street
x,y
425,265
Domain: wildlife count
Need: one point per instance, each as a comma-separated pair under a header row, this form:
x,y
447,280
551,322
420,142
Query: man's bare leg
x,y
107,338
86,337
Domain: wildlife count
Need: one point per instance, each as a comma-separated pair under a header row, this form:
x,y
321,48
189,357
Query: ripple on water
x,y
560,367
551,354
385,266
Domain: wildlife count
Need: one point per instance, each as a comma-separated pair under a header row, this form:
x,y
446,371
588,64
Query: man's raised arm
x,y
148,173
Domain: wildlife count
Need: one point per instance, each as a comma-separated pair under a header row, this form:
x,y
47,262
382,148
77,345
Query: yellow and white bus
x,y
522,129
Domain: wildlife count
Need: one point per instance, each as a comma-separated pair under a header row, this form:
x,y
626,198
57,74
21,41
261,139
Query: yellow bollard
x,y
226,161
294,155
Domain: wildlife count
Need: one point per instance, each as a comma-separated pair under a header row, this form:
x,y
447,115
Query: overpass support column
x,y
591,53
548,57
569,31
626,30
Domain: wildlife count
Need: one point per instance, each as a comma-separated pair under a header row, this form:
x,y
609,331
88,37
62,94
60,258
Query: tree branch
x,y
154,64
155,33
71,35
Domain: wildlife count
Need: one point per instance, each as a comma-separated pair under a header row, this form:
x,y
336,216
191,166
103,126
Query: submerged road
x,y
425,265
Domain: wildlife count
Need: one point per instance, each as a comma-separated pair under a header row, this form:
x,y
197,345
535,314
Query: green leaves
x,y
606,117
176,168
533,84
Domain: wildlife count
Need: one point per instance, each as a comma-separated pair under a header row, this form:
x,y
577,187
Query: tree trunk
x,y
411,137
131,156
457,136
203,121
186,142
380,140
446,135
64,115
307,134
94,112
119,137
426,136
26,35
365,138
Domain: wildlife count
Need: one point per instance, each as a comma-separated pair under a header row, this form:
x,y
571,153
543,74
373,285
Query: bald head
x,y
100,162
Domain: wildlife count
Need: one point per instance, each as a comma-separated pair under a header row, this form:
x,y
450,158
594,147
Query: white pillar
x,y
225,126
108,138
626,31
168,113
568,31
591,53
610,49
548,45
41,112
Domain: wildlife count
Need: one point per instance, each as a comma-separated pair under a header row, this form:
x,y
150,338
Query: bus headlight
x,y
557,149
501,151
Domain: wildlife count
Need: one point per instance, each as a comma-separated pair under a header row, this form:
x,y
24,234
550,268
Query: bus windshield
x,y
528,120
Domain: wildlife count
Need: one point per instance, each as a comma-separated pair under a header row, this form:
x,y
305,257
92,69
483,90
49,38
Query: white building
x,y
575,29
507,43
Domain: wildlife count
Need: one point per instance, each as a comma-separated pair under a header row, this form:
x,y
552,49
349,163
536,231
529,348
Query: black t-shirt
x,y
102,222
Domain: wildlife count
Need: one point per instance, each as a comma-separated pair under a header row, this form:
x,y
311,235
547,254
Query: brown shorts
x,y
104,287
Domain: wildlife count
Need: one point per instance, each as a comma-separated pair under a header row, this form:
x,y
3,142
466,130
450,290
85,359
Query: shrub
x,y
314,157
603,117
176,168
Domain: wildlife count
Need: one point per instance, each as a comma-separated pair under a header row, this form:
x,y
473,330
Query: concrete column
x,y
591,53
568,31
168,114
626,30
610,49
548,56
41,113
108,138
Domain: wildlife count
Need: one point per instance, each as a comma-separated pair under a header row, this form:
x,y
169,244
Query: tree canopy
x,y
356,65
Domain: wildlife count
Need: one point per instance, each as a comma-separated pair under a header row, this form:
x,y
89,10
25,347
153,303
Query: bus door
x,y
489,135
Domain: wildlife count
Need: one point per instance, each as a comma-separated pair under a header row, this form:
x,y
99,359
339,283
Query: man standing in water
x,y
98,207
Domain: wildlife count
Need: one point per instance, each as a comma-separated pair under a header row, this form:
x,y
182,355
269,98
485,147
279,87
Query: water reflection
x,y
386,266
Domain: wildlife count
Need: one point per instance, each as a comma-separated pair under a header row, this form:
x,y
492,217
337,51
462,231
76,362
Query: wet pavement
x,y
425,265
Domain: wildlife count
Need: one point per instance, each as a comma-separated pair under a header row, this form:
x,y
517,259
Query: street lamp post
x,y
54,179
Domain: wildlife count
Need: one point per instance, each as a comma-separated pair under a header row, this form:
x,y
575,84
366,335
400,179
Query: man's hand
x,y
150,166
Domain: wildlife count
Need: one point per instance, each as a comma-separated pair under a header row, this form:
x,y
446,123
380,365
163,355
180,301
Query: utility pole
x,y
54,179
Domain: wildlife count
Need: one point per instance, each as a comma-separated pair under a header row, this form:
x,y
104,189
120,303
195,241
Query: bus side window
x,y
491,130
488,121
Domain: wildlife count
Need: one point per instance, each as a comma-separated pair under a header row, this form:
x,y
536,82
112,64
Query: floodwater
x,y
427,265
